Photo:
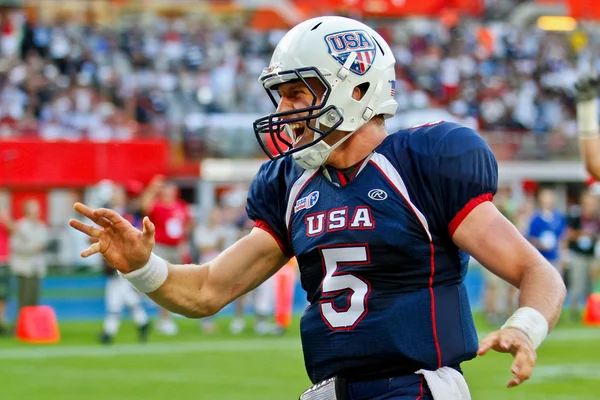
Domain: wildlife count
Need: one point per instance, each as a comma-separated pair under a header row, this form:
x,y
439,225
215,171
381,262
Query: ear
x,y
359,91
357,94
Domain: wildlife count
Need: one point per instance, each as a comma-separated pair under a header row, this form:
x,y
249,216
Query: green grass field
x,y
194,366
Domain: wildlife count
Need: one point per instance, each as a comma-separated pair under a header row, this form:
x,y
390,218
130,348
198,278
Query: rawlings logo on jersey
x,y
377,194
341,44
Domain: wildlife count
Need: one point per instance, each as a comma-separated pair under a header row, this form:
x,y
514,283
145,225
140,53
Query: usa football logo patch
x,y
341,44
307,202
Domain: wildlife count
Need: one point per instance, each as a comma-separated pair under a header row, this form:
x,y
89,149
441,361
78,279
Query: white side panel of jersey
x,y
394,177
296,188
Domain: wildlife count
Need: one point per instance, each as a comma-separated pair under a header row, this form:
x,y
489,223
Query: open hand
x,y
517,343
123,246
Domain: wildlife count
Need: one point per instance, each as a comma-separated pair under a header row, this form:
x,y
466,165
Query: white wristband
x,y
150,277
530,321
587,118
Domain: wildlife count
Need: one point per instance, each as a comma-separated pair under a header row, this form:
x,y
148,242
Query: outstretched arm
x,y
191,290
495,242
491,239
202,290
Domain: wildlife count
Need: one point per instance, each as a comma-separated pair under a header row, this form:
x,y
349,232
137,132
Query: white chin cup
x,y
317,154
313,156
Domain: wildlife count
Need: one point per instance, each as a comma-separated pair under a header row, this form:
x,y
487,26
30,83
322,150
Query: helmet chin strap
x,y
316,155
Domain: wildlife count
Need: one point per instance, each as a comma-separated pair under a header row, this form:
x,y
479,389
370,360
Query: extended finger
x,y
87,229
110,215
148,231
89,213
93,249
487,343
523,365
506,342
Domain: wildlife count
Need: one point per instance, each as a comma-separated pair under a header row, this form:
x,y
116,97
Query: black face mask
x,y
271,127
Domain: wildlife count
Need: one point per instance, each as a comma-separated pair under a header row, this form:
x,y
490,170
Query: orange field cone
x,y
285,281
591,315
37,324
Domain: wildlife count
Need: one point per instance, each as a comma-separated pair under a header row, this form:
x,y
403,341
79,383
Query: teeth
x,y
295,125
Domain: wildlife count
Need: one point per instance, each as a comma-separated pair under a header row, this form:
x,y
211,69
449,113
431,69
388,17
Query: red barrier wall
x,y
75,164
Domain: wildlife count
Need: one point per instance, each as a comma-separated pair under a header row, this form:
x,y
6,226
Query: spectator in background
x,y
583,231
262,298
523,213
238,323
119,292
171,217
209,239
547,227
504,201
7,226
28,259
84,81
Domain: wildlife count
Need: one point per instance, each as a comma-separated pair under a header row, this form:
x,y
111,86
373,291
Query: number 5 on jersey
x,y
337,282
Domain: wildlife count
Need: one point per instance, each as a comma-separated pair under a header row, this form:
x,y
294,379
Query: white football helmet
x,y
342,53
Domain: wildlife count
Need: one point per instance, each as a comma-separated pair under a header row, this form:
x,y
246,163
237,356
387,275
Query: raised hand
x,y
517,343
123,246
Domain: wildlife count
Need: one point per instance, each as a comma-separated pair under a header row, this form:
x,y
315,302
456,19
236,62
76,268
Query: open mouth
x,y
297,130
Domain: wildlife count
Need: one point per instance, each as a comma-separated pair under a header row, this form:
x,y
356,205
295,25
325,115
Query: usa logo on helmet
x,y
341,44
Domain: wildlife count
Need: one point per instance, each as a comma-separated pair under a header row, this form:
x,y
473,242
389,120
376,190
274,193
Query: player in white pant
x,y
264,307
119,294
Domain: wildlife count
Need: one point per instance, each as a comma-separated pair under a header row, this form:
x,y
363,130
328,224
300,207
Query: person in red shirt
x,y
171,216
6,228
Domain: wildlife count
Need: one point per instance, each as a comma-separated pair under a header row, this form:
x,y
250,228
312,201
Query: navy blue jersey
x,y
382,275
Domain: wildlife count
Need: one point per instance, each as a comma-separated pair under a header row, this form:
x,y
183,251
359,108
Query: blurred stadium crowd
x,y
176,77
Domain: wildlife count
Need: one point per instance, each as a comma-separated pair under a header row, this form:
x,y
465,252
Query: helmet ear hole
x,y
359,91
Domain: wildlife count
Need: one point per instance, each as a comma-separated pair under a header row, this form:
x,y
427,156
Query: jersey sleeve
x,y
463,173
266,204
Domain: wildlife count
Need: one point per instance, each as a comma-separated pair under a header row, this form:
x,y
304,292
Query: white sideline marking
x,y
59,351
563,335
546,373
64,376
39,352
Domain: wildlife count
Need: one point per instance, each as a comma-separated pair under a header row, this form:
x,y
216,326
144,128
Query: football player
x,y
381,225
